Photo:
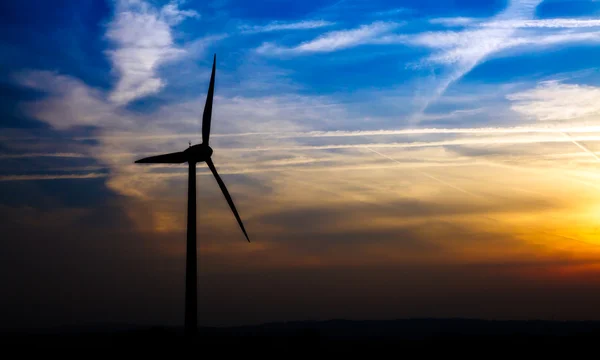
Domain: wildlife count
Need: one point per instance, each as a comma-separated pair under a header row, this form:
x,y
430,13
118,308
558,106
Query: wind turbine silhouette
x,y
192,155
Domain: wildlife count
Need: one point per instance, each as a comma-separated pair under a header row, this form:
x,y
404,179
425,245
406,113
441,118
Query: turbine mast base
x,y
191,267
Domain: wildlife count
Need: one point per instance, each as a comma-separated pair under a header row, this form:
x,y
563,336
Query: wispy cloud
x,y
281,26
143,41
555,23
535,41
555,101
457,49
69,101
333,41
392,12
173,15
544,23
453,21
198,47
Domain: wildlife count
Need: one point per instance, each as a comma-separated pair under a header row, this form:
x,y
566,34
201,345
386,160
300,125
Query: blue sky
x,y
404,127
345,50
345,65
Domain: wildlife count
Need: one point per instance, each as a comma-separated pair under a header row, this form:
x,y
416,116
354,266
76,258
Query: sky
x,y
389,159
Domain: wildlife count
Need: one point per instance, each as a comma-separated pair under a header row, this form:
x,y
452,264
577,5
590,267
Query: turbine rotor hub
x,y
198,153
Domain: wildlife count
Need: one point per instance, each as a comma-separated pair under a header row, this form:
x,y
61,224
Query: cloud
x,y
143,41
334,40
69,101
555,101
280,26
172,15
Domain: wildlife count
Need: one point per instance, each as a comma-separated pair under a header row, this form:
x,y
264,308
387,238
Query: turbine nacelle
x,y
198,153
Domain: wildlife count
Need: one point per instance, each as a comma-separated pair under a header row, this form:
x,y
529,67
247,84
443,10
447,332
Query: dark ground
x,y
482,338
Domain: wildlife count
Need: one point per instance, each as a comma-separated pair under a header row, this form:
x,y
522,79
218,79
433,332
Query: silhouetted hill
x,y
335,335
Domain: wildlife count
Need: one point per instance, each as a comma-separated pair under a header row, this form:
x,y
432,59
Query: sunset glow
x,y
411,158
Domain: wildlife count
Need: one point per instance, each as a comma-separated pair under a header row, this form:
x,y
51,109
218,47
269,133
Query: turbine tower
x,y
193,155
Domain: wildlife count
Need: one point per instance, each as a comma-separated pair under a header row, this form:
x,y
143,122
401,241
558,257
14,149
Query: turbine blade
x,y
206,117
227,196
172,158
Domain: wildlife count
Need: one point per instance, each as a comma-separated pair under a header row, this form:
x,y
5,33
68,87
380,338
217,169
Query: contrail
x,y
51,177
486,42
427,175
535,170
233,171
382,132
370,145
544,23
417,144
476,141
126,136
27,155
581,146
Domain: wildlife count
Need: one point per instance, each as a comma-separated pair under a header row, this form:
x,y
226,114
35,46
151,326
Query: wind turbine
x,y
193,155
